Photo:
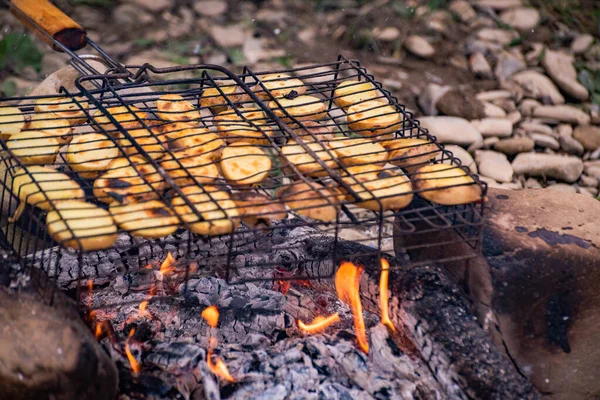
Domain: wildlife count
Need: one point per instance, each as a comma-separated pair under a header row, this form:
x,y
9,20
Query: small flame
x,y
283,286
218,367
383,295
319,324
99,331
136,367
90,285
211,315
347,284
168,266
143,311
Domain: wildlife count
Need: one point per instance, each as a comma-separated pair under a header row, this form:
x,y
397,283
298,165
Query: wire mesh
x,y
213,167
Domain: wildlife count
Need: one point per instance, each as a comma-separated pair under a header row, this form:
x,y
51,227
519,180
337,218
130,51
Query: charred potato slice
x,y
279,85
34,147
411,154
187,168
304,162
374,118
73,111
244,164
173,107
256,209
312,131
358,151
126,118
301,108
90,154
233,128
149,219
199,141
212,98
352,92
11,122
53,125
82,226
446,184
375,185
310,200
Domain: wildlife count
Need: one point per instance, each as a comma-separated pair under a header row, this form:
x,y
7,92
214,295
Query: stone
x,y
459,61
570,145
228,36
523,18
562,113
564,168
585,191
532,183
66,77
593,190
588,136
493,111
430,96
595,155
387,34
535,127
496,35
457,103
527,106
545,141
154,6
494,165
534,55
478,144
559,67
451,130
463,10
500,127
498,4
480,67
489,142
514,117
131,15
509,63
581,43
494,95
562,187
474,45
419,46
538,86
319,75
465,158
564,130
588,181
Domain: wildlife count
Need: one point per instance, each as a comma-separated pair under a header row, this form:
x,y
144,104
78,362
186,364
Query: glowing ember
x,y
90,285
283,286
99,331
136,367
211,315
319,324
347,283
143,306
168,266
218,367
383,295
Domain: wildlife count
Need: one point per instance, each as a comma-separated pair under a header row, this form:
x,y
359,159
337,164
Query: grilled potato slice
x,y
372,183
374,118
410,153
218,214
41,186
90,154
348,93
301,108
310,200
82,226
279,85
212,98
199,141
257,209
126,118
304,162
11,122
358,151
151,143
233,128
53,125
171,130
149,219
312,131
73,111
173,107
129,181
34,147
446,184
244,164
187,167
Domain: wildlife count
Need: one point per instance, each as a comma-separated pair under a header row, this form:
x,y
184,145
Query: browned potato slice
x,y
218,214
256,209
302,108
126,118
310,200
446,184
392,189
34,147
233,128
199,141
278,85
172,129
374,118
11,122
149,219
90,154
173,107
187,168
358,151
146,139
410,153
304,162
63,107
348,93
82,226
212,98
244,164
313,131
53,125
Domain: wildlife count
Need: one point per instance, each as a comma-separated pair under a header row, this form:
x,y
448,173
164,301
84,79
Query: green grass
x,y
581,15
8,88
18,51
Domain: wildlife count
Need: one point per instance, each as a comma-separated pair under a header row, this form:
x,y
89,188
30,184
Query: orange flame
x,y
90,285
143,306
284,286
136,367
168,266
211,315
218,367
347,283
319,324
383,295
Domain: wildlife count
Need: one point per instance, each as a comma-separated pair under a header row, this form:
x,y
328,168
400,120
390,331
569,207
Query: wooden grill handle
x,y
52,21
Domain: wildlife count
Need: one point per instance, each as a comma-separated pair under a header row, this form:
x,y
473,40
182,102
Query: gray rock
x,y
514,146
131,16
523,19
533,56
228,36
494,165
595,155
451,130
538,86
545,141
465,158
490,142
570,145
564,168
564,130
480,66
493,111
559,67
585,191
457,103
430,96
463,10
562,187
582,43
508,64
387,34
210,8
562,113
535,127
515,117
419,46
501,127
532,183
588,181
527,107
588,136
496,35
493,95
153,5
592,168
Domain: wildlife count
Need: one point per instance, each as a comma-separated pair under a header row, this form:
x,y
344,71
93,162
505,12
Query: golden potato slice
x,y
124,117
312,131
90,154
310,200
374,118
278,85
301,108
233,128
173,107
446,184
187,167
352,92
151,143
212,98
257,209
358,151
392,189
41,186
64,107
244,164
295,154
53,125
129,181
34,147
199,141
82,226
409,153
11,122
171,130
214,212
149,219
